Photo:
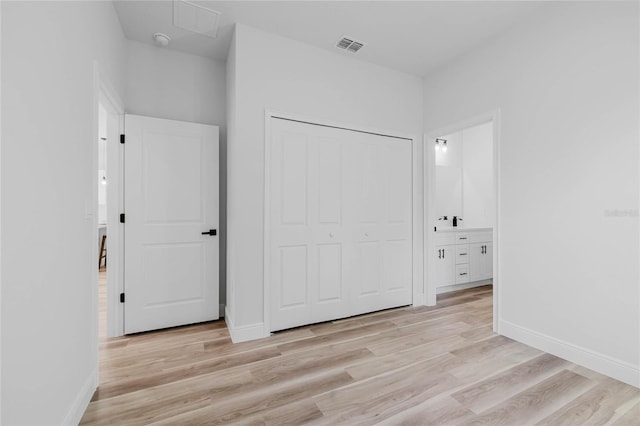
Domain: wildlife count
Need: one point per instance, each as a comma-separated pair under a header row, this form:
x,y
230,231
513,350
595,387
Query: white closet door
x,y
308,254
381,222
171,198
340,223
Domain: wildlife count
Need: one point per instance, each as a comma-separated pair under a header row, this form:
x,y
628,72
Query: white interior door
x,y
308,234
171,199
381,225
340,223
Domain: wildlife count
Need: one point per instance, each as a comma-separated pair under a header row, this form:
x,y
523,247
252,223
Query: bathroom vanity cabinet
x,y
464,258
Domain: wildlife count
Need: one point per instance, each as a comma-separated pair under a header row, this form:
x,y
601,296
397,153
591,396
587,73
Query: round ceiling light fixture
x,y
161,40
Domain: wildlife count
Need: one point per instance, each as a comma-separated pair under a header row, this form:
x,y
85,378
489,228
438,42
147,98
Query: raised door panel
x,y
330,275
293,277
293,179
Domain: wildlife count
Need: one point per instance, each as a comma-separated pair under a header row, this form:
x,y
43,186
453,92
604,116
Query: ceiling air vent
x,y
348,44
195,18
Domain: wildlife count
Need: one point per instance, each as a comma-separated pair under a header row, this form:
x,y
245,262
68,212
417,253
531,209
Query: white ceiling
x,y
411,36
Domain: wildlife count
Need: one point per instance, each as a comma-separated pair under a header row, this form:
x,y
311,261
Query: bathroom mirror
x,y
464,177
448,191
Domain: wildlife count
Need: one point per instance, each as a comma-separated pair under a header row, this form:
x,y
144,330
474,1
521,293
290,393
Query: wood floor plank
x,y
296,413
309,362
383,396
407,339
595,407
630,418
536,402
250,402
499,387
399,366
153,378
478,333
441,410
482,365
340,336
436,353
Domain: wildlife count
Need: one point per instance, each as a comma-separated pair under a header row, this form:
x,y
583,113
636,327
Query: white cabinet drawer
x,y
462,238
462,274
480,237
462,253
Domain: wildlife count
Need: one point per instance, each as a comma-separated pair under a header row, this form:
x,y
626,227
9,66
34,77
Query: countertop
x,y
460,229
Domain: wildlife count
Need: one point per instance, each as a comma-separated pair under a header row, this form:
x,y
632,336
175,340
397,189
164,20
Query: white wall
x,y
168,84
566,83
478,202
48,180
231,98
284,75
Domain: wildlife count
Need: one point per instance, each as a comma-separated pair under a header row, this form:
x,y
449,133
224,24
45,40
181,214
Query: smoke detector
x,y
161,40
349,44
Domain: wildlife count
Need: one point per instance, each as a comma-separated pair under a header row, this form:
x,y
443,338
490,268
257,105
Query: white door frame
x,y
105,94
417,279
429,205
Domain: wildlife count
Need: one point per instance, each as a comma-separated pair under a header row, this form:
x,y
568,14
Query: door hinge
x,y
121,297
122,139
121,217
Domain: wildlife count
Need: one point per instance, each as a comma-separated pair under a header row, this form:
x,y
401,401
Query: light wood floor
x,y
440,365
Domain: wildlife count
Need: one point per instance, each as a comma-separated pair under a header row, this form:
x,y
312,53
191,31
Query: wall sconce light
x,y
441,143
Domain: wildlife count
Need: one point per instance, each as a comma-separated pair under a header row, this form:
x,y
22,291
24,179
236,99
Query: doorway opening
x,y
106,244
102,183
461,223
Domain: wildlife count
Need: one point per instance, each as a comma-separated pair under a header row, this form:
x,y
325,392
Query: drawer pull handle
x,y
462,238
463,273
463,254
439,253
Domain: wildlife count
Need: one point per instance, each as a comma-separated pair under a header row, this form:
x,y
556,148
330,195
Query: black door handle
x,y
210,232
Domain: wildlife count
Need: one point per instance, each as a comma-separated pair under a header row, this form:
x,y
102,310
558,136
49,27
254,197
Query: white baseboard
x,y
418,300
619,370
80,404
245,333
464,286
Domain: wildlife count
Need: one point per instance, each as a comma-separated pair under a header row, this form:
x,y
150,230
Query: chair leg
x,y
102,254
